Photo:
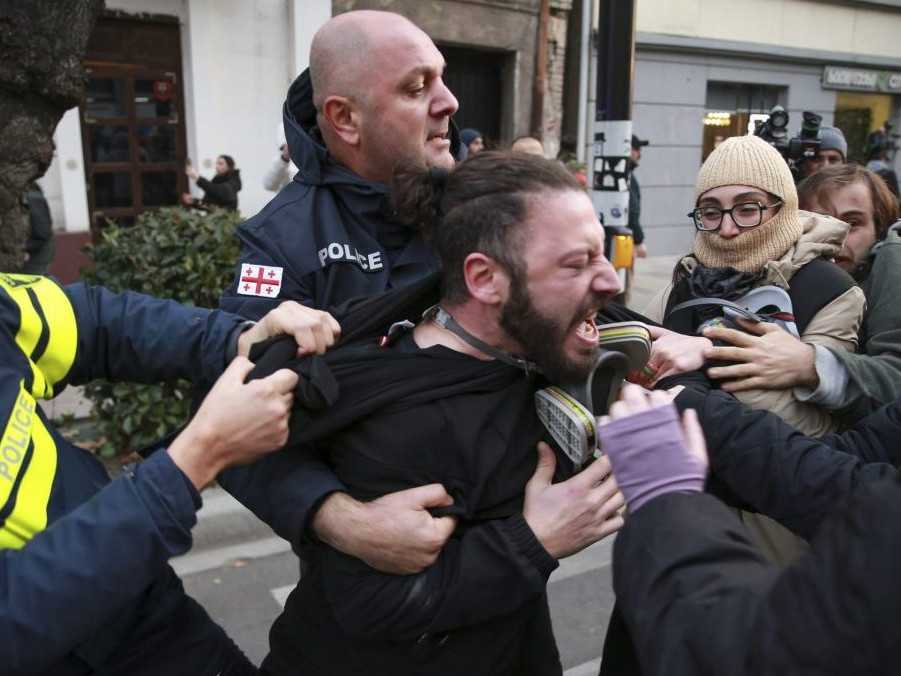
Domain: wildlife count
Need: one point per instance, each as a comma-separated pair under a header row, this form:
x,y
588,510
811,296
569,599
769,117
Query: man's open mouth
x,y
441,135
587,329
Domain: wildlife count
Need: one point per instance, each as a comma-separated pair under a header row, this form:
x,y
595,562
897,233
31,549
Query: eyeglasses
x,y
744,215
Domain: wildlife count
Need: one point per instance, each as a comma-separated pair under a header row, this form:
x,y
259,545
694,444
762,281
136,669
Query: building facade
x,y
169,81
178,80
706,69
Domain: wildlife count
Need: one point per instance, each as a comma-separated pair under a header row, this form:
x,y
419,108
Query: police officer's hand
x,y
236,423
394,534
314,330
568,516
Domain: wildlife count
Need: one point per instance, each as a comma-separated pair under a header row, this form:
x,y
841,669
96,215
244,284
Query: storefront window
x,y
733,108
858,114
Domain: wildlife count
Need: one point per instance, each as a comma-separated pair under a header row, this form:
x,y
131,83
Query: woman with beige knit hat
x,y
751,234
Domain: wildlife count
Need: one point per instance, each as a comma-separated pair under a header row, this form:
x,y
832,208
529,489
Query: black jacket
x,y
222,191
402,417
700,599
760,463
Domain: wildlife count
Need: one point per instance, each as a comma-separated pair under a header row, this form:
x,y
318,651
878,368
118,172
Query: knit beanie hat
x,y
832,138
469,135
751,161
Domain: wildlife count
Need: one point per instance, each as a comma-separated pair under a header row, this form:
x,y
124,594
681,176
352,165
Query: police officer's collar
x,y
445,320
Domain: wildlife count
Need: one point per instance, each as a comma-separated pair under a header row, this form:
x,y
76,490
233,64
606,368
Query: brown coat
x,y
835,326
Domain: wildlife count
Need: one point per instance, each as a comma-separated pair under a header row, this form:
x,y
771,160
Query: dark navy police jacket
x,y
328,234
327,237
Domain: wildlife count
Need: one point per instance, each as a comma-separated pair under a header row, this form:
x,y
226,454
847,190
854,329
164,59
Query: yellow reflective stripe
x,y
29,514
62,330
60,353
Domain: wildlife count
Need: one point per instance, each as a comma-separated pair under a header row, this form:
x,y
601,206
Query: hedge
x,y
176,253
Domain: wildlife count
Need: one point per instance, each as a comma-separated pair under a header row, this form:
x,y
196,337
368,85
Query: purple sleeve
x,y
649,458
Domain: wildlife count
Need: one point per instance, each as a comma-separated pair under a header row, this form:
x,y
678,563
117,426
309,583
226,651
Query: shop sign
x,y
859,79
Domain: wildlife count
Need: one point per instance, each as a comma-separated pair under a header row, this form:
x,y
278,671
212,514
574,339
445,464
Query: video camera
x,y
796,149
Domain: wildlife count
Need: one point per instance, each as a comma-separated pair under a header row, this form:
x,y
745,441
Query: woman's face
x,y
221,166
742,198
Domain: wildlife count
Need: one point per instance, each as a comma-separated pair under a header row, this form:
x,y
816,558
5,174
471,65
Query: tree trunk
x,y
42,46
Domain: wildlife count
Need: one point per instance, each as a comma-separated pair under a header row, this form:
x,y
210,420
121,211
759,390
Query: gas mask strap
x,y
445,320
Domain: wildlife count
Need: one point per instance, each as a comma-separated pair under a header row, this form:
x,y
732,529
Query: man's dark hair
x,y
479,206
816,188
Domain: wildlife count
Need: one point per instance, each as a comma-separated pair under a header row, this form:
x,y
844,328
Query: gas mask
x,y
569,411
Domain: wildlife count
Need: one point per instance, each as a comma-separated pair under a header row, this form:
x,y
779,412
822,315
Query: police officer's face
x,y
852,204
406,114
567,280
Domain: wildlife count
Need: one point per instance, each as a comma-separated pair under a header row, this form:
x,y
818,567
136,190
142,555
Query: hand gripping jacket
x,y
84,584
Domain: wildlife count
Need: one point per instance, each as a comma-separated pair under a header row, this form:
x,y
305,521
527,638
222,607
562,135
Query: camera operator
x,y
833,150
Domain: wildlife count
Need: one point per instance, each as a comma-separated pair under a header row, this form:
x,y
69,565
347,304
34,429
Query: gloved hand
x,y
650,452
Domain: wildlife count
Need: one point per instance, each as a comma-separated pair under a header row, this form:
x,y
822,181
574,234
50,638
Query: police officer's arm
x,y
134,337
61,584
491,570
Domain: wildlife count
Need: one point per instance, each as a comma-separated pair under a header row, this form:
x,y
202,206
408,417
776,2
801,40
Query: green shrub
x,y
168,253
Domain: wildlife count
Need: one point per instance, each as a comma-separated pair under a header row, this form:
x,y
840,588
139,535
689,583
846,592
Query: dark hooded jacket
x,y
329,232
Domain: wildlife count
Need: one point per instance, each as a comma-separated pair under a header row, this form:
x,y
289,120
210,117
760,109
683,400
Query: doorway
x,y
476,79
132,118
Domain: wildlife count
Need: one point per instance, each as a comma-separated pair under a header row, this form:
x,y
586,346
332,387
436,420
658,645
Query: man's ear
x,y
486,280
342,117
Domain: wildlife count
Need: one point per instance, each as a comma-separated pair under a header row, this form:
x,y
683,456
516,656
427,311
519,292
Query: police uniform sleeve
x,y
284,490
134,337
59,583
248,295
72,578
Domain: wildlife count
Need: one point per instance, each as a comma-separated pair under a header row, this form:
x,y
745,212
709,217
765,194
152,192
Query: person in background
x,y
282,169
833,150
39,248
852,383
880,145
472,140
528,145
222,191
641,250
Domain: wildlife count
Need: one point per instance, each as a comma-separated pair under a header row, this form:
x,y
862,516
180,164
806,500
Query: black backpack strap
x,y
813,287
683,322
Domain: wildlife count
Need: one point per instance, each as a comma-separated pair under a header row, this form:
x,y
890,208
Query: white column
x,y
71,172
306,18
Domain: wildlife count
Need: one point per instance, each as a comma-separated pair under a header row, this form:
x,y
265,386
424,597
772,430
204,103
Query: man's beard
x,y
543,337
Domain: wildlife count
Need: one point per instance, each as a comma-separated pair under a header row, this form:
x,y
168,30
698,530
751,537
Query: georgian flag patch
x,y
260,280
